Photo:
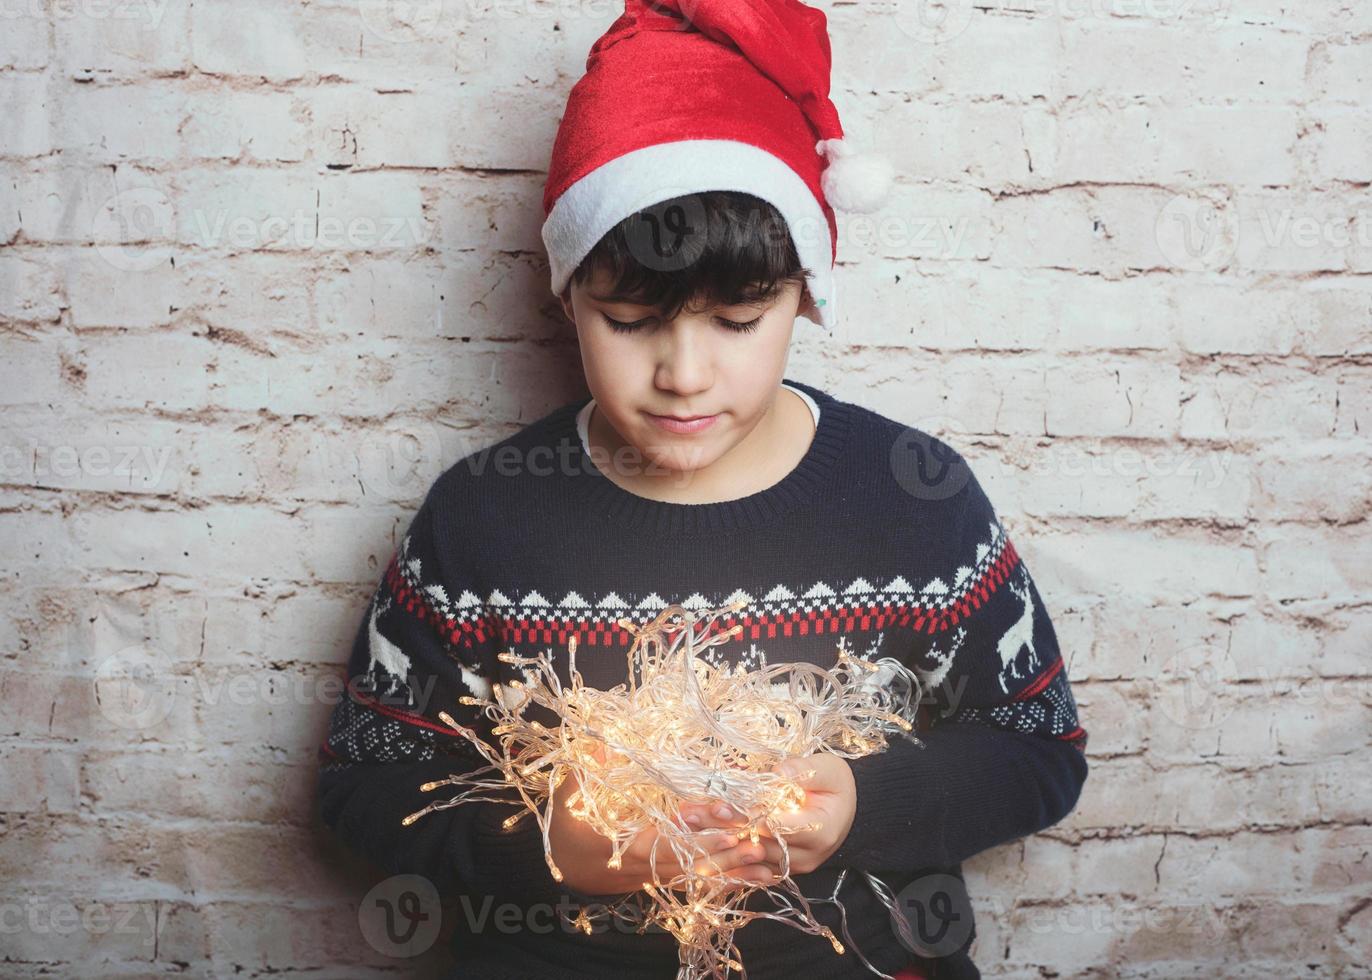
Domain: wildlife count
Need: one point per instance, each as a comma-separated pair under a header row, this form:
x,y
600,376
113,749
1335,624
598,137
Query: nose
x,y
684,365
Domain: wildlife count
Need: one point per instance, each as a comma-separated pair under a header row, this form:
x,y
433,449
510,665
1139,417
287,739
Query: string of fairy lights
x,y
683,729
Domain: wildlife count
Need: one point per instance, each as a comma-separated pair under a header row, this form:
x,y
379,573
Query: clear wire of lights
x,y
683,729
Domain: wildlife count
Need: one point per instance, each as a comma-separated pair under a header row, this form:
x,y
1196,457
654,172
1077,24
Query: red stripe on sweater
x,y
419,721
1040,682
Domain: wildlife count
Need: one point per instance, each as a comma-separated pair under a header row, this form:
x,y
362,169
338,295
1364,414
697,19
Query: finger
x,y
761,874
711,813
639,857
802,769
768,852
730,858
794,823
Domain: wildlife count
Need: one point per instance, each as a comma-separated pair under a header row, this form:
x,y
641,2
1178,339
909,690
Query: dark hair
x,y
719,247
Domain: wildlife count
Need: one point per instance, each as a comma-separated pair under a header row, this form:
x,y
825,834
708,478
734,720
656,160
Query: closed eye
x,y
620,327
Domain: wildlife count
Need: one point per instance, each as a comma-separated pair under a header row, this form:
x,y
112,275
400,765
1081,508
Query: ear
x,y
807,306
565,298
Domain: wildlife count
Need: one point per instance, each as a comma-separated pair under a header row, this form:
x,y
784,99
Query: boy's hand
x,y
830,800
581,853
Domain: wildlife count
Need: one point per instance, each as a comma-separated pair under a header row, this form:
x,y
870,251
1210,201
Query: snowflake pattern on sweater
x,y
1038,696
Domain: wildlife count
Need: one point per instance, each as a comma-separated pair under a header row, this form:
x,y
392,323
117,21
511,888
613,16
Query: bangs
x,y
710,248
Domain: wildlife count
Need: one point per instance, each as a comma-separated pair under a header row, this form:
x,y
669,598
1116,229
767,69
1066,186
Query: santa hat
x,y
684,96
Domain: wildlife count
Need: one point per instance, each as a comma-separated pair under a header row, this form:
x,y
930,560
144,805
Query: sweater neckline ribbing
x,y
804,484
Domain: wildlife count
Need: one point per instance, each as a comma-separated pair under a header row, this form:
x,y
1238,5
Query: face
x,y
726,362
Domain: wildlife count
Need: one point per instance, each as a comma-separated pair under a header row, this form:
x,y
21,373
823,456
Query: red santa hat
x,y
684,96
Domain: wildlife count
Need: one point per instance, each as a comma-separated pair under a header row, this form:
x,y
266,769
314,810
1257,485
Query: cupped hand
x,y
582,854
830,802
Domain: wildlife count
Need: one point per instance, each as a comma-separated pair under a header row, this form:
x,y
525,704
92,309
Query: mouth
x,y
682,424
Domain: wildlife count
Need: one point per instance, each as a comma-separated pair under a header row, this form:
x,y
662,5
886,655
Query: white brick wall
x,y
268,266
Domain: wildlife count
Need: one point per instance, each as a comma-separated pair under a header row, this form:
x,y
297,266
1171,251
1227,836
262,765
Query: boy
x,y
685,238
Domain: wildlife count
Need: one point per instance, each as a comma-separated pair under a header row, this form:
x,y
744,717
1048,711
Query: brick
x,y
1211,318
250,38
41,705
254,296
241,861
122,39
1342,70
932,224
1304,17
224,123
169,371
30,287
1276,720
258,936
861,40
31,372
11,217
388,295
1150,144
1343,145
358,126
53,926
1108,230
1139,563
1300,231
992,55
27,129
50,447
26,42
371,212
38,779
212,537
1142,57
245,209
1334,318
987,142
485,213
1114,715
1128,398
1268,865
1226,405
314,627
1327,483
99,292
95,123
244,785
1343,648
115,208
1315,562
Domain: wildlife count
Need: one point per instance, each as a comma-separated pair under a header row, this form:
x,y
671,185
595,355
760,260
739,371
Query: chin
x,y
662,455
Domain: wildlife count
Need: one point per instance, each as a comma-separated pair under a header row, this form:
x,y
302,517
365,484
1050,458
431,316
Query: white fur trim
x,y
855,181
609,194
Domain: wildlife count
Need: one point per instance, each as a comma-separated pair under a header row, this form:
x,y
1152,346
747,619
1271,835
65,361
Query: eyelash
x,y
734,325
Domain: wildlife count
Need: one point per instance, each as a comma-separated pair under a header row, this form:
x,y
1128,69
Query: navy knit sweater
x,y
881,538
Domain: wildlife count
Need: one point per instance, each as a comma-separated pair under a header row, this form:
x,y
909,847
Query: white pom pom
x,y
854,181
